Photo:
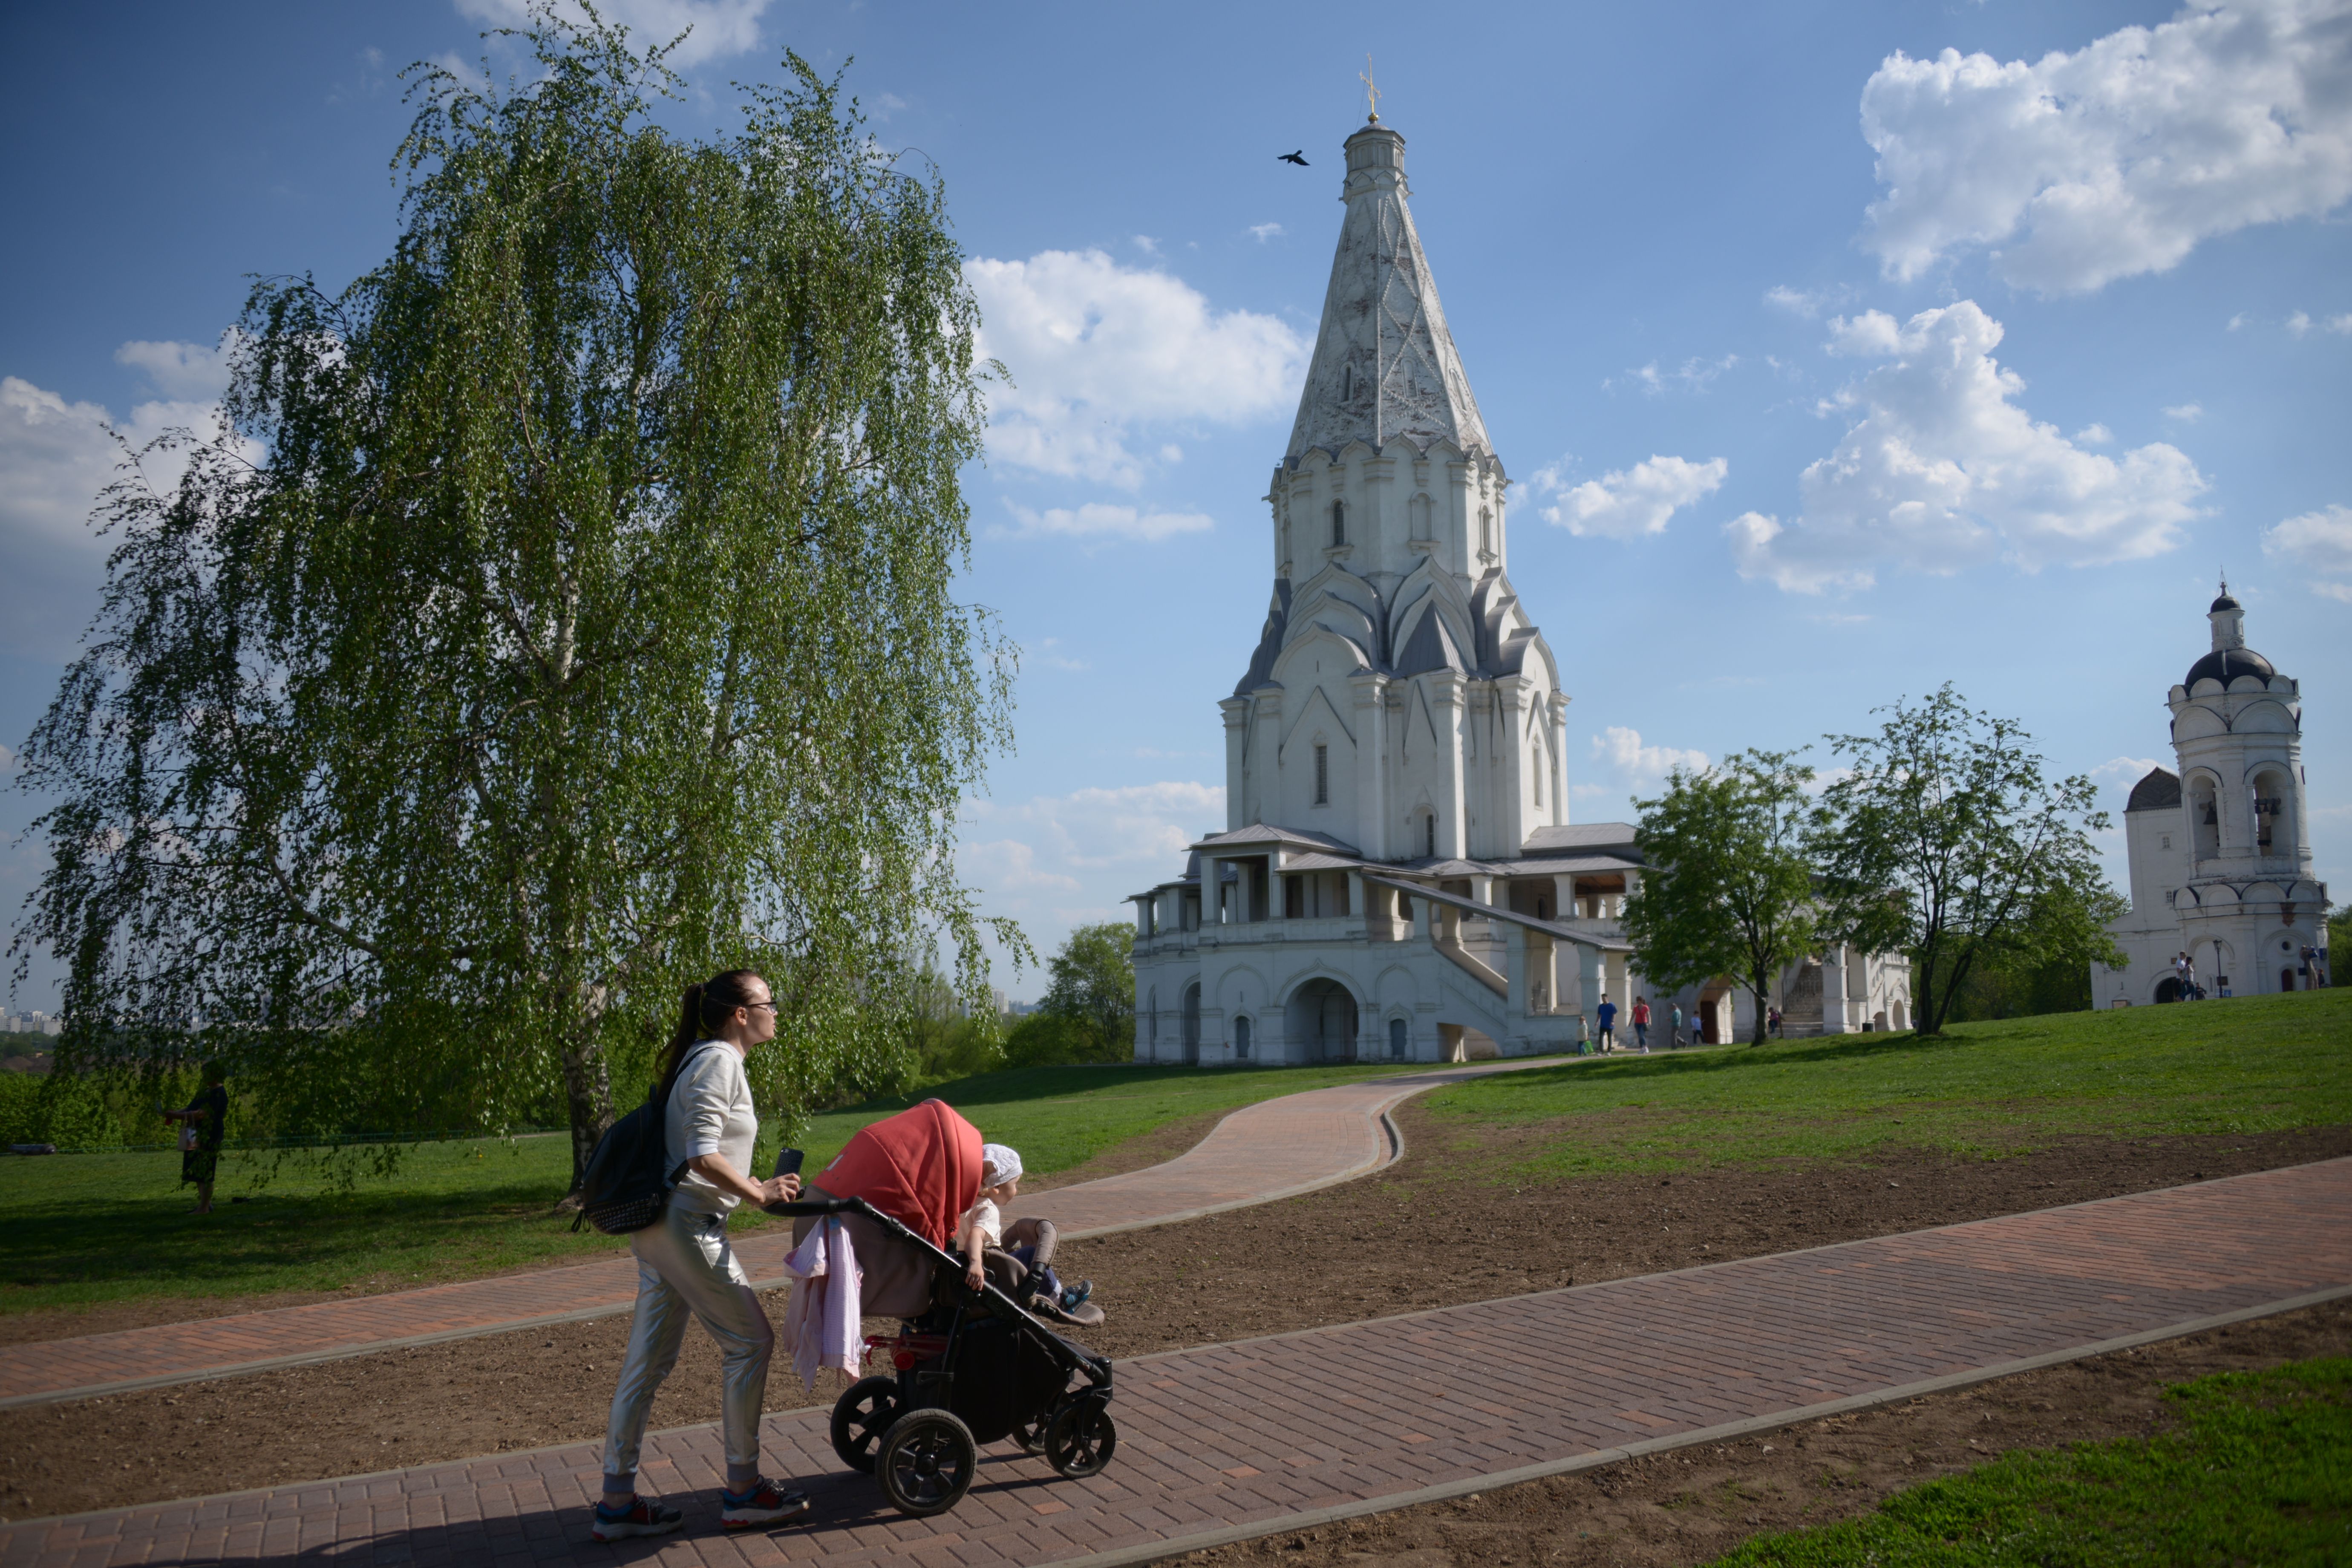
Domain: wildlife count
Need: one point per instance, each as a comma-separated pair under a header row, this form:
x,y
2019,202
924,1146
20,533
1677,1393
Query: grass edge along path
x,y
2258,1469
2250,1065
87,1229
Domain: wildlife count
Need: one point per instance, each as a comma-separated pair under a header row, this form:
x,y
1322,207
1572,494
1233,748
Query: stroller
x,y
968,1367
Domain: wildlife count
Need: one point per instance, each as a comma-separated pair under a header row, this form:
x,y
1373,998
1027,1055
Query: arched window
x,y
1322,775
1429,835
1346,382
1338,523
2273,828
1242,1038
1396,1039
1485,532
1535,767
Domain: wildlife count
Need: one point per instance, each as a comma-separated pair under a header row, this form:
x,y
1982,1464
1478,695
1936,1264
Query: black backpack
x,y
627,1182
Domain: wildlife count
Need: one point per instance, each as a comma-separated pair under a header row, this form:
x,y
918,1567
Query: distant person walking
x,y
1641,1022
685,1267
1773,1019
1606,1014
203,1123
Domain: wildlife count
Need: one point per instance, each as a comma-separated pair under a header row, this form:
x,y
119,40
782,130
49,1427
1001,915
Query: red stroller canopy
x,y
921,1167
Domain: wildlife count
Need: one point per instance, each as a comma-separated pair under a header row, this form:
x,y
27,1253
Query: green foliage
x,y
2340,937
1944,841
2018,987
585,627
108,1226
2258,1469
1093,989
943,1042
1728,888
1053,1039
2254,1064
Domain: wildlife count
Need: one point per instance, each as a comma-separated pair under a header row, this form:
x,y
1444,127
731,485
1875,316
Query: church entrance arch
x,y
2167,989
1321,1017
1193,1025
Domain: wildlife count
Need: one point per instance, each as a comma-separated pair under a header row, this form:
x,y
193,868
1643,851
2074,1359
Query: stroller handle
x,y
819,1206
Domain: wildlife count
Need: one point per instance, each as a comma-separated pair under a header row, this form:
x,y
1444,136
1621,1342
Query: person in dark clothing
x,y
206,1117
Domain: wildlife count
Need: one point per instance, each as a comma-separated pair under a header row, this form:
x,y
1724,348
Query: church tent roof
x,y
1385,367
2161,791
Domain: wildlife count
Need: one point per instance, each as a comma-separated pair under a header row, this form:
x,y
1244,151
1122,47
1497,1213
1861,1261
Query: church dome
x,y
2225,665
2224,603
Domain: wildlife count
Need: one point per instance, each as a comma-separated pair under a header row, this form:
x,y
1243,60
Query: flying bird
x,y
1293,158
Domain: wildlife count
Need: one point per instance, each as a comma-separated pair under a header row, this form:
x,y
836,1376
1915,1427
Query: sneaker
x,y
640,1518
763,1504
1077,1294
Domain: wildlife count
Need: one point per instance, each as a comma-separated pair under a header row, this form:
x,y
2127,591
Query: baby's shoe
x,y
1076,1293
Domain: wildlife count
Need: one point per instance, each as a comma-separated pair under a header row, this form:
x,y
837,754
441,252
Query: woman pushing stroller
x,y
685,1267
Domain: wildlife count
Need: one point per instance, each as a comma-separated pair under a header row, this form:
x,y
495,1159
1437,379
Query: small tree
x,y
1728,887
1093,985
1946,842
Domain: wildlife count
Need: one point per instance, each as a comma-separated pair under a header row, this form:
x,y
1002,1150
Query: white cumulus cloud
x,y
2117,159
2319,544
720,26
56,456
1099,521
1097,351
1628,503
1621,750
1053,862
2186,413
1943,470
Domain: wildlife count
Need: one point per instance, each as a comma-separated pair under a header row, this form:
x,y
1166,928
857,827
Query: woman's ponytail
x,y
704,1009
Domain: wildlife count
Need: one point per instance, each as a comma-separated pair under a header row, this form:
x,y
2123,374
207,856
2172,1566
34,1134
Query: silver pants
x,y
685,1268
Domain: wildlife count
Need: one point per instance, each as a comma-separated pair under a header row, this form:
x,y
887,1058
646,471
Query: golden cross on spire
x,y
1371,93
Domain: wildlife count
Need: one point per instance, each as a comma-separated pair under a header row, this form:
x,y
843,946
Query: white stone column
x,y
1373,831
1511,779
1446,701
1265,754
1236,712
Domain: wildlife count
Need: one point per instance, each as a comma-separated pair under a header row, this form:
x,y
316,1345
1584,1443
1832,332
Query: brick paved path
x,y
1261,1152
1240,1440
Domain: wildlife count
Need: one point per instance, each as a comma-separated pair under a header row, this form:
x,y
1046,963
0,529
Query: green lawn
x,y
95,1228
2258,1470
2254,1064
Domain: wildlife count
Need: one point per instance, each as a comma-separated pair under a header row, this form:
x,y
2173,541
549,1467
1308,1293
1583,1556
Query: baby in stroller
x,y
991,1249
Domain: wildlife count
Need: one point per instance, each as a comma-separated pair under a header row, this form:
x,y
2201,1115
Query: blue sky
x,y
1828,366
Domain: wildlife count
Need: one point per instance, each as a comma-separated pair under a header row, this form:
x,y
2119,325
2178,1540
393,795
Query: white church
x,y
2220,851
1399,879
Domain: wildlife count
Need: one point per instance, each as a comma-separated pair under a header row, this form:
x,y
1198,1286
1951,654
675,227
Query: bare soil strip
x,y
1433,1230
1692,1505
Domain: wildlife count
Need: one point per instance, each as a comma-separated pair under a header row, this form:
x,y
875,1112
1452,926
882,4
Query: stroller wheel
x,y
861,1416
1081,1438
926,1462
1031,1435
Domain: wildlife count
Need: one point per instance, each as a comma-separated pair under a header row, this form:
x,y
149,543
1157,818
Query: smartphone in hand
x,y
788,1161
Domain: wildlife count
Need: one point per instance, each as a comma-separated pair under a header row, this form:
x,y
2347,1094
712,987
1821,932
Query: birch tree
x,y
585,625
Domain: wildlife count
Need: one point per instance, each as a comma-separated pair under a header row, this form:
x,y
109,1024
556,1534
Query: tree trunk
x,y
1760,983
588,1099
